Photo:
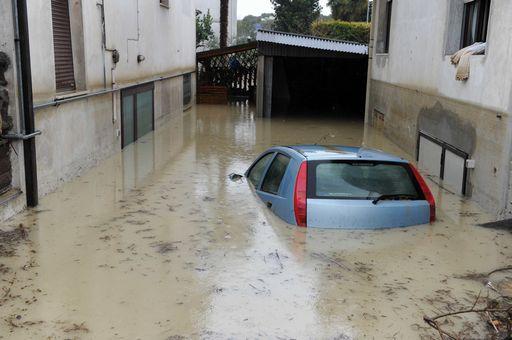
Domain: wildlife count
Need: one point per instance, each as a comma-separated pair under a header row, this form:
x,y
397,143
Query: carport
x,y
300,74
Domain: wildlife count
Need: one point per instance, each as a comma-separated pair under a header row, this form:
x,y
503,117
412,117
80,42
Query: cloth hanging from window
x,y
462,59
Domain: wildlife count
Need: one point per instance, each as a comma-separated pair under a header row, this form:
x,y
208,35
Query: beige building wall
x,y
413,88
82,127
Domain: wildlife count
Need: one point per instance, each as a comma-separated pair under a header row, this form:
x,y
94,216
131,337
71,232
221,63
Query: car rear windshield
x,y
360,180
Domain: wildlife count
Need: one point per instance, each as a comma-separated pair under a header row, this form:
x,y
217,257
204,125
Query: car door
x,y
273,187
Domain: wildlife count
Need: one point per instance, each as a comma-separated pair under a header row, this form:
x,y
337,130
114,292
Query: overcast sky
x,y
256,7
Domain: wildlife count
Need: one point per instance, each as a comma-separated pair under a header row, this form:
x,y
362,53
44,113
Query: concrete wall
x,y
76,135
214,7
413,88
13,201
165,37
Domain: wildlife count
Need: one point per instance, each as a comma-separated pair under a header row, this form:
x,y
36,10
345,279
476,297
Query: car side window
x,y
257,170
275,174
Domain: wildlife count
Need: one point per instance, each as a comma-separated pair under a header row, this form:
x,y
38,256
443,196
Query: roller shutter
x,y
63,51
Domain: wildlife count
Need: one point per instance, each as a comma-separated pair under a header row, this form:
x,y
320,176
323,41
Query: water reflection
x,y
157,242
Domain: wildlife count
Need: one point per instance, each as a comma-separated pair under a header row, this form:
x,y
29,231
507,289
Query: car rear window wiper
x,y
395,197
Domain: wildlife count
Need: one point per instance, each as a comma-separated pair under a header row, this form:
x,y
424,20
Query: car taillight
x,y
426,192
300,197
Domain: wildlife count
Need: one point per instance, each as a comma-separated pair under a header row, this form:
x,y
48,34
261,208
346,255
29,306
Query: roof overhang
x,y
305,41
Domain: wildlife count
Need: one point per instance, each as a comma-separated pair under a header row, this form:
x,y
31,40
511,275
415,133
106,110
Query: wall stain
x,y
446,125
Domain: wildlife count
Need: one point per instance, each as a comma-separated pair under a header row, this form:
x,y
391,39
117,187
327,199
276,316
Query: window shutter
x,y
63,51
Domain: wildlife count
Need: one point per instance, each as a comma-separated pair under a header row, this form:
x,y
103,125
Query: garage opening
x,y
319,86
309,75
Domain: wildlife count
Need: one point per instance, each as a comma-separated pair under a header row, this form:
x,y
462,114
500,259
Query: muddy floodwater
x,y
158,243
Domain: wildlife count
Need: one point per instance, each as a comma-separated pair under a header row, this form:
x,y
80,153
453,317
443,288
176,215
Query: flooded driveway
x,y
158,243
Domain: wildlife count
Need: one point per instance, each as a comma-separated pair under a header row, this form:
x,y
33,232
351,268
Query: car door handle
x,y
269,205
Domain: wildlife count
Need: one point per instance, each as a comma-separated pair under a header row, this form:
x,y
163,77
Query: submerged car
x,y
341,187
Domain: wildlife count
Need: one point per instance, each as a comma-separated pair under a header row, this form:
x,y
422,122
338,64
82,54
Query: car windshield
x,y
361,180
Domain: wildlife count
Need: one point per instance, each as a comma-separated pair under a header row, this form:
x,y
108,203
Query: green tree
x,y
204,30
248,26
342,30
295,16
349,10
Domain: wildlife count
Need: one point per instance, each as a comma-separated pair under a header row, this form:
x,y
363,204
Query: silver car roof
x,y
340,152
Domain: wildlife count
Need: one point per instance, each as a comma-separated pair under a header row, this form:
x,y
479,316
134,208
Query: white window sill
x,y
68,95
477,57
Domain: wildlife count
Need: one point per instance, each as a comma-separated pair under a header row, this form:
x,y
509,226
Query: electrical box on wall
x,y
470,164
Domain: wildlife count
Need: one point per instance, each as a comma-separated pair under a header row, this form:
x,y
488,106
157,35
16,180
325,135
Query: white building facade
x,y
104,74
460,131
214,7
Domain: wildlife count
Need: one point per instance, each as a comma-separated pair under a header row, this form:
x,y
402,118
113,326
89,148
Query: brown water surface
x,y
157,243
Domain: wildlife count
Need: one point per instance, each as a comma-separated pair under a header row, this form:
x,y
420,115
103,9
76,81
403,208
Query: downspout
x,y
507,206
106,49
103,41
27,105
367,118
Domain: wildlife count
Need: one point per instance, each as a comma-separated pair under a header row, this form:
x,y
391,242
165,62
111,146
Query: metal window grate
x,y
445,163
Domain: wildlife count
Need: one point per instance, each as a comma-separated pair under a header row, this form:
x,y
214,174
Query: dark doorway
x,y
335,86
137,113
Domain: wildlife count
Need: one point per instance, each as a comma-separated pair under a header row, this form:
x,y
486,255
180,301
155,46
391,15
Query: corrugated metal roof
x,y
307,41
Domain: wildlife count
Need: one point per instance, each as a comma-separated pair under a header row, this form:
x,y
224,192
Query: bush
x,y
342,30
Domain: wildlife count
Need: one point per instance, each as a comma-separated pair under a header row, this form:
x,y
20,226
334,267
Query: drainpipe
x,y
103,40
27,105
373,27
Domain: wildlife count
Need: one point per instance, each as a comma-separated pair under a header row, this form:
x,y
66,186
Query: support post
x,y
260,85
269,75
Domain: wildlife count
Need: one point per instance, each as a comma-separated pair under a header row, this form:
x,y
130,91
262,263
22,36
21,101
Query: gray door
x,y
137,113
